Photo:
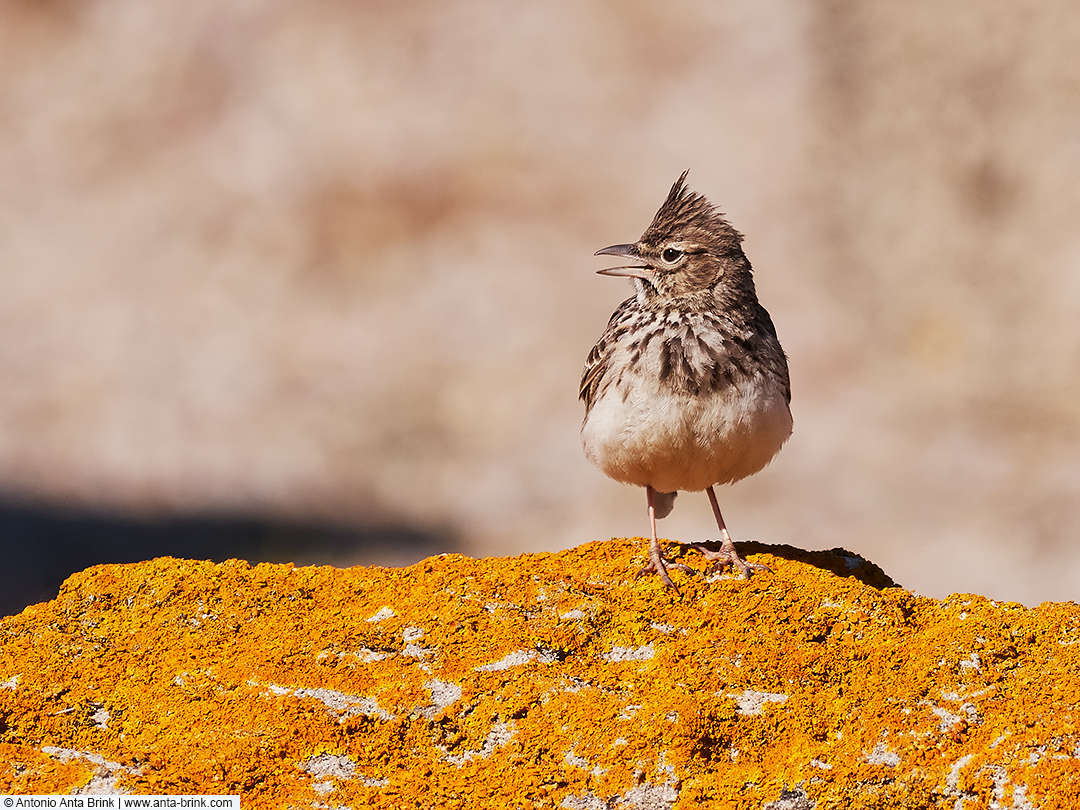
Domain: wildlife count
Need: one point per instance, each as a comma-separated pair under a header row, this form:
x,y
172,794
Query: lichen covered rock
x,y
546,680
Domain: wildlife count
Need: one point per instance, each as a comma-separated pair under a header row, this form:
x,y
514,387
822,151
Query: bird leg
x,y
727,555
657,563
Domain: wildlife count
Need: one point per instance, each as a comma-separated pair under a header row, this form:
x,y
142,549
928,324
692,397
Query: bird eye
x,y
671,255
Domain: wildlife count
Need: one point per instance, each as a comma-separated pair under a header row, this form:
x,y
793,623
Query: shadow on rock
x,y
839,561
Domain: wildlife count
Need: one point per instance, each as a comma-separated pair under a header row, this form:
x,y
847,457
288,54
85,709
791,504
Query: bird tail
x,y
663,503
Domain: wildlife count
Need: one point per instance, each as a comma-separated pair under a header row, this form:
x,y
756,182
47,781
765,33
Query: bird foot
x,y
658,565
727,557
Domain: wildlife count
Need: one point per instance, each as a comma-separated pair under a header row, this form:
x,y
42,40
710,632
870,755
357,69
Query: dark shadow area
x,y
839,561
41,546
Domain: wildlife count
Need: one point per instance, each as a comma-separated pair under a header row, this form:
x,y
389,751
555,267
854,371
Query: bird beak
x,y
624,252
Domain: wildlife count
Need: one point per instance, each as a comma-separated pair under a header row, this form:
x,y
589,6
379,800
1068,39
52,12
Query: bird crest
x,y
687,215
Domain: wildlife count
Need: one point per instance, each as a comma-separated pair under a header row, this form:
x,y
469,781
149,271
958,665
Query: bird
x,y
688,387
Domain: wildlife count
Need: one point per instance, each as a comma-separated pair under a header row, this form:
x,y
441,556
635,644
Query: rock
x,y
545,680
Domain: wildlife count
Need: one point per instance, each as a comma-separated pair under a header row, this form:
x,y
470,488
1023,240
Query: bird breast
x,y
685,417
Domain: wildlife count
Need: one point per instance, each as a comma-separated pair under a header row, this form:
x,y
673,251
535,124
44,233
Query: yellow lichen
x,y
539,681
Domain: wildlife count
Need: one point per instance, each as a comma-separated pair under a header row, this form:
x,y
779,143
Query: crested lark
x,y
688,386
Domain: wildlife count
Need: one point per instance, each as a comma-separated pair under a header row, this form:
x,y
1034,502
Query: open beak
x,y
624,252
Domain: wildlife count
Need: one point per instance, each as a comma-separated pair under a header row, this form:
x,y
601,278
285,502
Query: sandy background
x,y
328,264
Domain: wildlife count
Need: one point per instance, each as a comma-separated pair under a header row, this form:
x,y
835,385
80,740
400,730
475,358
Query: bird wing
x,y
596,365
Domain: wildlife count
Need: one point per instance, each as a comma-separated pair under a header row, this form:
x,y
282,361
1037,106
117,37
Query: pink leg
x,y
656,556
727,555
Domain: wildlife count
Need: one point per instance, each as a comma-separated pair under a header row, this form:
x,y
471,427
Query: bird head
x,y
688,252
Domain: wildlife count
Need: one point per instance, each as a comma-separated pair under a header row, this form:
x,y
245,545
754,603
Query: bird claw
x,y
727,557
658,565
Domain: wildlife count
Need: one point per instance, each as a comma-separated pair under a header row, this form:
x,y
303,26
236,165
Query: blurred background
x,y
313,280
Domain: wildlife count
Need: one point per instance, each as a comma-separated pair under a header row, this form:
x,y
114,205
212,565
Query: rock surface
x,y
546,680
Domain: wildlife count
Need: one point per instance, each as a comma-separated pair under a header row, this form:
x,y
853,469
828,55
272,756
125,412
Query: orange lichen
x,y
543,680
